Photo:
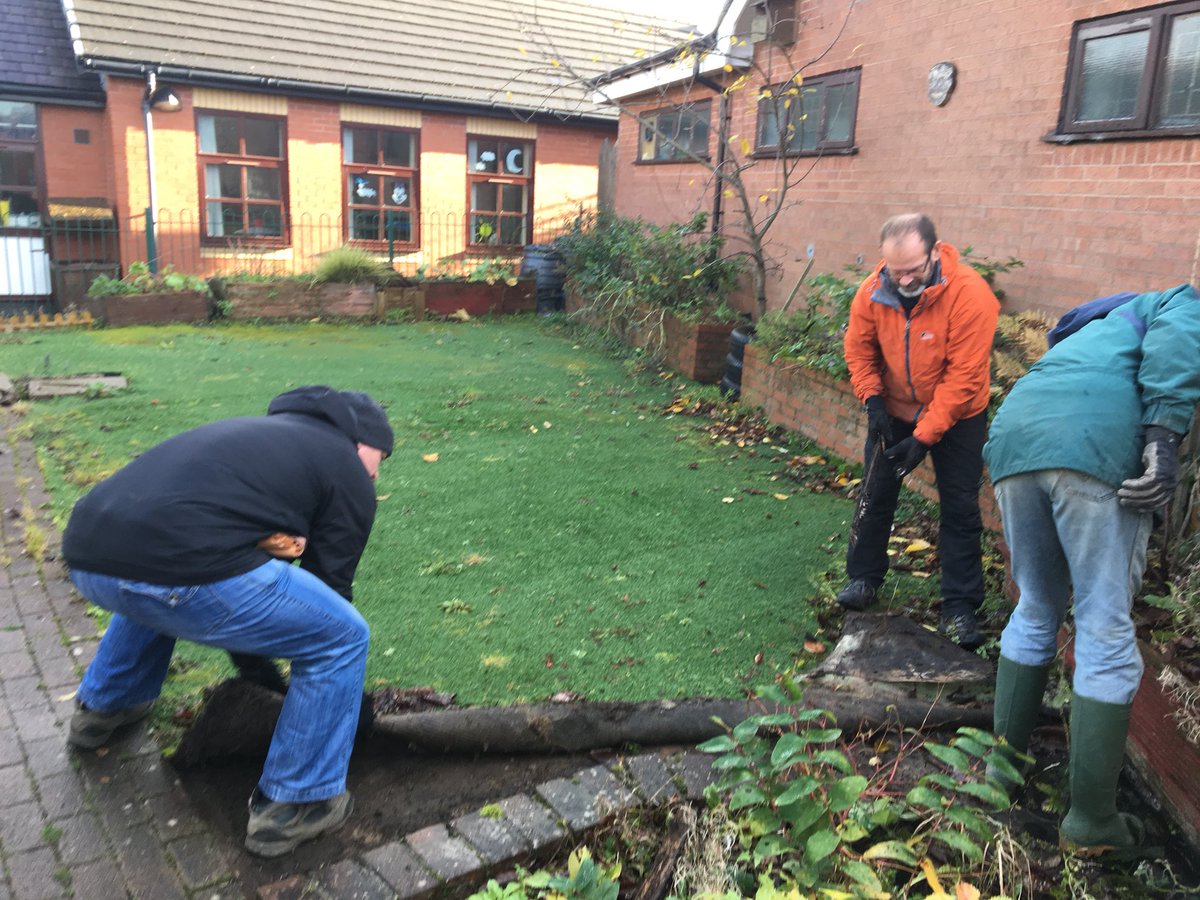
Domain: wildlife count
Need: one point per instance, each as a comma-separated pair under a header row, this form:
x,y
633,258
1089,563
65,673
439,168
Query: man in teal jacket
x,y
1083,454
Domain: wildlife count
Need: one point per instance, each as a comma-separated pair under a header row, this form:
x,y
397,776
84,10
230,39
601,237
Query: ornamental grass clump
x,y
351,265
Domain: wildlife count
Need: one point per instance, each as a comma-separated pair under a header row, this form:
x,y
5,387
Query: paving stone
x,y
26,692
349,880
118,819
17,664
200,860
651,777
448,856
32,874
144,865
229,891
61,673
10,748
15,785
61,795
403,871
34,724
12,641
533,820
81,841
100,880
697,773
608,793
50,756
497,842
292,888
172,815
21,827
573,803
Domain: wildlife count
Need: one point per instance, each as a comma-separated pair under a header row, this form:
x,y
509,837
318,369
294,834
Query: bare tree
x,y
761,185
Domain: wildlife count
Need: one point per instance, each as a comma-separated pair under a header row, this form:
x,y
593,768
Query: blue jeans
x,y
276,610
1066,529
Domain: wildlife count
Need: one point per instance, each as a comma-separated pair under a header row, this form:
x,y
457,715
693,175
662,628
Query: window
x,y
380,178
1135,73
243,171
812,117
675,134
500,176
20,199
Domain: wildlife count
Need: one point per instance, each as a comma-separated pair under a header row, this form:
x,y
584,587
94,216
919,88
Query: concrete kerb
x,y
119,824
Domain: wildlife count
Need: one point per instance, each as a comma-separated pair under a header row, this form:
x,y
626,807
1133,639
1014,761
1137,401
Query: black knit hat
x,y
371,422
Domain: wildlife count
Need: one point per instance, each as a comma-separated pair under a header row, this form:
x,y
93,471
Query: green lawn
x,y
567,536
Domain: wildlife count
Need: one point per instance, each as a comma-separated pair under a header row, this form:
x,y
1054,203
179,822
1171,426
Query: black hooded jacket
x,y
191,510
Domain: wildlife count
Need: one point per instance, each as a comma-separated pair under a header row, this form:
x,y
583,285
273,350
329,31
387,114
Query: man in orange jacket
x,y
919,347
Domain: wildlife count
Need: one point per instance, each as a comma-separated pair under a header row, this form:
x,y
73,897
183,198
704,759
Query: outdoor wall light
x,y
164,99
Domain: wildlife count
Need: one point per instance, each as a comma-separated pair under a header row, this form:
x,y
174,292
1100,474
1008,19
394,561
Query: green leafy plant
x,y
812,335
140,280
350,265
807,819
629,268
585,879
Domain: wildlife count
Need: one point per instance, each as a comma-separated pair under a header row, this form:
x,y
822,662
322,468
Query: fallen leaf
x,y
66,697
430,457
758,658
474,559
919,574
782,496
918,546
728,500
964,891
381,497
496,661
814,647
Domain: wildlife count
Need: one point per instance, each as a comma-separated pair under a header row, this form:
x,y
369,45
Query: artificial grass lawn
x,y
566,537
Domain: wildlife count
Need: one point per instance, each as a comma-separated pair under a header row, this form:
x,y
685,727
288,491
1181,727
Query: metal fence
x,y
51,267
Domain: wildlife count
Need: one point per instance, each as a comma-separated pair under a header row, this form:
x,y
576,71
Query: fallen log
x,y
239,718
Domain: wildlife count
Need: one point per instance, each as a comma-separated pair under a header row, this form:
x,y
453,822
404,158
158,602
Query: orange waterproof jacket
x,y
932,367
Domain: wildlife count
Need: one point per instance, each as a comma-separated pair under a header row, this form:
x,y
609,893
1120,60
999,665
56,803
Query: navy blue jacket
x,y
191,510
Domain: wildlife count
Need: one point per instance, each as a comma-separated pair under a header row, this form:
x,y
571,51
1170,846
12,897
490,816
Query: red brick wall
x,y
826,412
1087,219
74,170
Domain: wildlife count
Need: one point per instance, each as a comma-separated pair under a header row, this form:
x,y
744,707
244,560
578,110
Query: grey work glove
x,y
1153,489
879,422
906,455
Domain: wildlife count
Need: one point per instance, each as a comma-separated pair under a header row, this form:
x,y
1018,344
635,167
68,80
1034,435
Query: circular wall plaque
x,y
941,82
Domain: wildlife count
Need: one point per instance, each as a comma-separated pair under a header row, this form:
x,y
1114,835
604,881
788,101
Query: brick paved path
x,y
116,823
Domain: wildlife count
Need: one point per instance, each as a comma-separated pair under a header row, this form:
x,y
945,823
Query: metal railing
x,y
49,268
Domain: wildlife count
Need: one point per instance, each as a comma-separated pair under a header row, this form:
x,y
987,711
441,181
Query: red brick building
x,y
263,135
1064,134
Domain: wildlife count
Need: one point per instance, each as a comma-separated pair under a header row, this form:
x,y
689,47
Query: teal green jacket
x,y
1083,405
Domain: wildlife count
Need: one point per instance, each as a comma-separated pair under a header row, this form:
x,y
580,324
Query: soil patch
x,y
396,792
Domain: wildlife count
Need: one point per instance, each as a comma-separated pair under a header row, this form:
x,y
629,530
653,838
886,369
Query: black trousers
x,y
958,466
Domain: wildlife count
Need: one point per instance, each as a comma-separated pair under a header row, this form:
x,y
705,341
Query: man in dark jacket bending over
x,y
173,544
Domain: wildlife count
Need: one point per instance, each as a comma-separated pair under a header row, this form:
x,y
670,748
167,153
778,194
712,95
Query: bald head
x,y
898,227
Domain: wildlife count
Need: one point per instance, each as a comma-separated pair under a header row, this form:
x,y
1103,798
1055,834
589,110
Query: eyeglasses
x,y
901,274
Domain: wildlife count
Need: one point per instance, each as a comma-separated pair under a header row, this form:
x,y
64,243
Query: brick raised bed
x,y
695,350
150,309
286,299
825,411
480,298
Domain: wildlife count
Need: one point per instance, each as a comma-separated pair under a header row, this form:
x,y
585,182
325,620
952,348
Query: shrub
x,y
812,336
140,280
621,264
350,265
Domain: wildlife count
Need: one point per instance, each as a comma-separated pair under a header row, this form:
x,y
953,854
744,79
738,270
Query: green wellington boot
x,y
1019,690
1093,826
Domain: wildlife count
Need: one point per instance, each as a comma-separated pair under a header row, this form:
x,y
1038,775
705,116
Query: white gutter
x,y
730,48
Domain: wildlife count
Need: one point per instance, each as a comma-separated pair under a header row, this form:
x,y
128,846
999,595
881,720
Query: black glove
x,y
259,670
879,421
906,455
1154,488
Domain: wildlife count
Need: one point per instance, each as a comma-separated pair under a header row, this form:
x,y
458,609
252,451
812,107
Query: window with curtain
x,y
676,134
243,174
20,193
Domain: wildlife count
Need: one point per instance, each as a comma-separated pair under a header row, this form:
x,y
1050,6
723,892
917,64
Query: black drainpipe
x,y
722,143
